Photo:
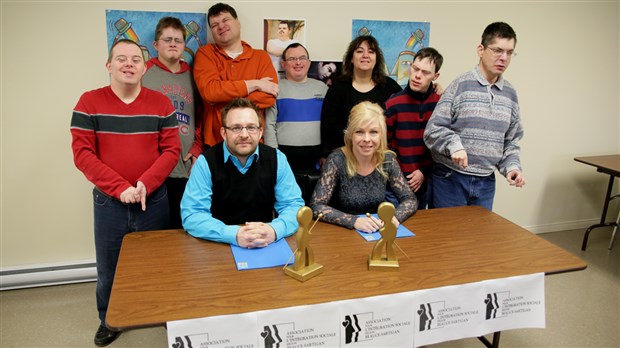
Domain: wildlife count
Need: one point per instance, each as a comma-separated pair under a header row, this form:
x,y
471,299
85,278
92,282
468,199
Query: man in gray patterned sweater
x,y
475,128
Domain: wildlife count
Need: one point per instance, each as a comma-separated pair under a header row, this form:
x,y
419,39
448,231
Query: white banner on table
x,y
398,320
476,309
514,303
446,313
224,331
298,327
379,321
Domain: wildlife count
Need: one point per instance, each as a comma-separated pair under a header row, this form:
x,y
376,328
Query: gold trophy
x,y
376,260
304,267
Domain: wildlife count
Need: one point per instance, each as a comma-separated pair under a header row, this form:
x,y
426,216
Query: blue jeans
x,y
113,220
450,188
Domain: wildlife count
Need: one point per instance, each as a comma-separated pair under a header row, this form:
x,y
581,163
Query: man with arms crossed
x,y
236,185
230,68
126,142
476,126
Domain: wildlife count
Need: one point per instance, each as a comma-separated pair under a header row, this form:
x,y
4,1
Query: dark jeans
x,y
450,188
175,187
113,220
423,195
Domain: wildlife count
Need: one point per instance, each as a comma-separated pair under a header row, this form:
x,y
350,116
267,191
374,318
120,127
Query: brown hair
x,y
127,41
169,22
240,103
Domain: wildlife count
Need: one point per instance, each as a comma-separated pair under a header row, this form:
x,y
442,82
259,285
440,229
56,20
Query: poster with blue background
x,y
399,41
139,26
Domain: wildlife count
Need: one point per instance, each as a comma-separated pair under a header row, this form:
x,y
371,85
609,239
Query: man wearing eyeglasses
x,y
293,124
236,185
230,68
170,75
475,128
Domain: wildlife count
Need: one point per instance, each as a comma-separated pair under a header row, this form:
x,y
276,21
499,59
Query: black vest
x,y
239,198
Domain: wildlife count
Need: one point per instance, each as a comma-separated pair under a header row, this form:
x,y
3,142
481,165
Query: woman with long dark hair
x,y
364,78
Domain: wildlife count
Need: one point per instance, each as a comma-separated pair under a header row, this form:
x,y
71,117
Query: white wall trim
x,y
47,274
562,226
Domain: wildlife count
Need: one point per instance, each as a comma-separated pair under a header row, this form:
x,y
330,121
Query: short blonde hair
x,y
362,113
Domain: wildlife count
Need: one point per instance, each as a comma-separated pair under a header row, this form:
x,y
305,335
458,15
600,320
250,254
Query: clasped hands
x,y
134,195
255,235
370,224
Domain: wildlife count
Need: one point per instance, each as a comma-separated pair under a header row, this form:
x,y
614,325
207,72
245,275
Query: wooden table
x,y
610,165
170,275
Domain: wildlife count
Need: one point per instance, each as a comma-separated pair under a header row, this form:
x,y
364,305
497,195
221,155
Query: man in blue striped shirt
x,y
293,124
475,128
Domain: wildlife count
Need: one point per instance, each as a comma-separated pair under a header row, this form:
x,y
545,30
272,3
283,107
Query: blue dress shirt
x,y
196,203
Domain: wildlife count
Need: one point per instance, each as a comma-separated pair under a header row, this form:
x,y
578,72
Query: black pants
x,y
176,187
307,182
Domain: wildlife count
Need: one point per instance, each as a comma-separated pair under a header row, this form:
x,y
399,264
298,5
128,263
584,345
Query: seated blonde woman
x,y
354,178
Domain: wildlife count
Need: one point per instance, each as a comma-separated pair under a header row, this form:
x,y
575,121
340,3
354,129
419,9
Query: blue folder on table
x,y
401,232
275,254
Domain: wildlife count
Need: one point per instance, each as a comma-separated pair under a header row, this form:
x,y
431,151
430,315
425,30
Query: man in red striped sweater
x,y
407,113
126,142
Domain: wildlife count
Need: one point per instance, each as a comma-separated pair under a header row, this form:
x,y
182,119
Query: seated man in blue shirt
x,y
236,185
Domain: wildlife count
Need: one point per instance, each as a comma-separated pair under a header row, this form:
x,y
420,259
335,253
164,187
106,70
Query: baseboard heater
x,y
47,274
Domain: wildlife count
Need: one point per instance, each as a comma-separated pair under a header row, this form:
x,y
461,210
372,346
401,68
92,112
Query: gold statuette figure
x,y
377,261
304,267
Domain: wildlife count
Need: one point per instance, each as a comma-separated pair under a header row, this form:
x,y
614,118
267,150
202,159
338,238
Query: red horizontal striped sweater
x,y
116,145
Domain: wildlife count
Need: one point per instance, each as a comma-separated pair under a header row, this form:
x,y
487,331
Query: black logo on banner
x,y
426,316
495,303
352,328
271,336
492,306
182,342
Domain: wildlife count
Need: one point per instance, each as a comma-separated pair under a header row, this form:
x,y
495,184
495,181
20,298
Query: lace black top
x,y
342,198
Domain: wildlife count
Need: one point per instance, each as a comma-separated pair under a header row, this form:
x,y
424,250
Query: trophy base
x,y
382,265
305,273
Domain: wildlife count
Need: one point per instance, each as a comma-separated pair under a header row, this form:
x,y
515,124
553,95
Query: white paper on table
x,y
378,321
300,326
447,313
514,303
214,332
476,309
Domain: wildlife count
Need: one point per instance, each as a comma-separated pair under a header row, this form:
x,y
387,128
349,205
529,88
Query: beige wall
x,y
566,74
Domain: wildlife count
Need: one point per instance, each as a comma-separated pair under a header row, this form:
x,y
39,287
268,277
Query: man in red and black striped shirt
x,y
126,142
407,113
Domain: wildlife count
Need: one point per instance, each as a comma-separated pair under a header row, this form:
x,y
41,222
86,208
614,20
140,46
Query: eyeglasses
x,y
238,129
301,59
169,40
498,52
